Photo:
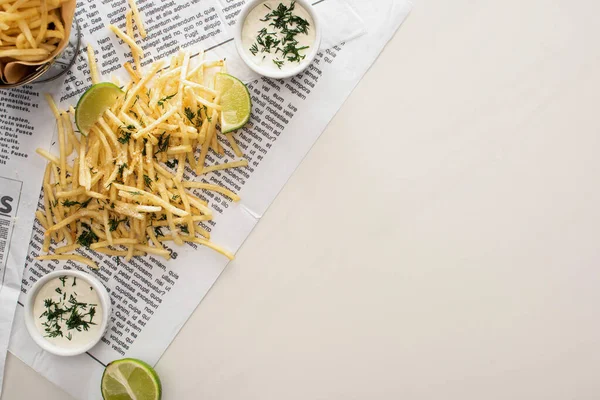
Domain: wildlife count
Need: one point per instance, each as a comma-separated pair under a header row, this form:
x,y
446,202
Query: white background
x,y
440,241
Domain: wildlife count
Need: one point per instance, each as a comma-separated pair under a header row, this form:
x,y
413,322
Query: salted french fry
x,y
234,164
92,63
138,18
124,37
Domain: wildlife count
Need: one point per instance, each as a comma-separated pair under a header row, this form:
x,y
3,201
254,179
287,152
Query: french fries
x,y
30,30
124,190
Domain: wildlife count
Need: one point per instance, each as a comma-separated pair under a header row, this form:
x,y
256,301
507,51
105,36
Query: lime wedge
x,y
235,102
93,103
130,379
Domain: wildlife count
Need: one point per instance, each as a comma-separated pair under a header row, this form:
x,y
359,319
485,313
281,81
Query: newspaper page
x,y
153,298
23,128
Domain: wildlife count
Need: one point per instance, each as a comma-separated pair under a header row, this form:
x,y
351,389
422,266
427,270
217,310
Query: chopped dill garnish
x,y
87,237
163,143
208,118
161,102
86,203
148,181
126,133
172,164
70,203
113,223
121,169
190,114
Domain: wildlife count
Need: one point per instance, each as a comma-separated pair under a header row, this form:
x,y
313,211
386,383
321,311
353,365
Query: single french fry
x,y
234,164
138,18
216,188
92,63
126,39
43,22
234,145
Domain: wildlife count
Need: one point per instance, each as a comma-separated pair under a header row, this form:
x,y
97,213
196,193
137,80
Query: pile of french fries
x,y
122,189
30,30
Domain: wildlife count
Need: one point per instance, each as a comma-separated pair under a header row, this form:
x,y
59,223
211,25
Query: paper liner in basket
x,y
15,71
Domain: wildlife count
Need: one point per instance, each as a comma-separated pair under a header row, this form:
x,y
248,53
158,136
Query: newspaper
x,y
153,298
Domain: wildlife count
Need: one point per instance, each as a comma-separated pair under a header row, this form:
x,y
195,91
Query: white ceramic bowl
x,y
30,321
249,6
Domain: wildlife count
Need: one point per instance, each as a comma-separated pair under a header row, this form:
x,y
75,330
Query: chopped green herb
x,y
161,102
124,138
70,203
87,237
86,203
121,169
113,223
163,143
208,118
144,147
190,115
172,164
148,181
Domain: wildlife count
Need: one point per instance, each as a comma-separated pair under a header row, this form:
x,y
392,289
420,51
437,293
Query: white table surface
x,y
453,254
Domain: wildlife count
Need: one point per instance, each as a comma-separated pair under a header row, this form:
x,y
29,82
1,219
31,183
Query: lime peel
x,y
130,378
93,103
236,105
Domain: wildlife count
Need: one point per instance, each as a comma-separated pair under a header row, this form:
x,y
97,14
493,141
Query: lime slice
x,y
93,103
130,379
235,102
